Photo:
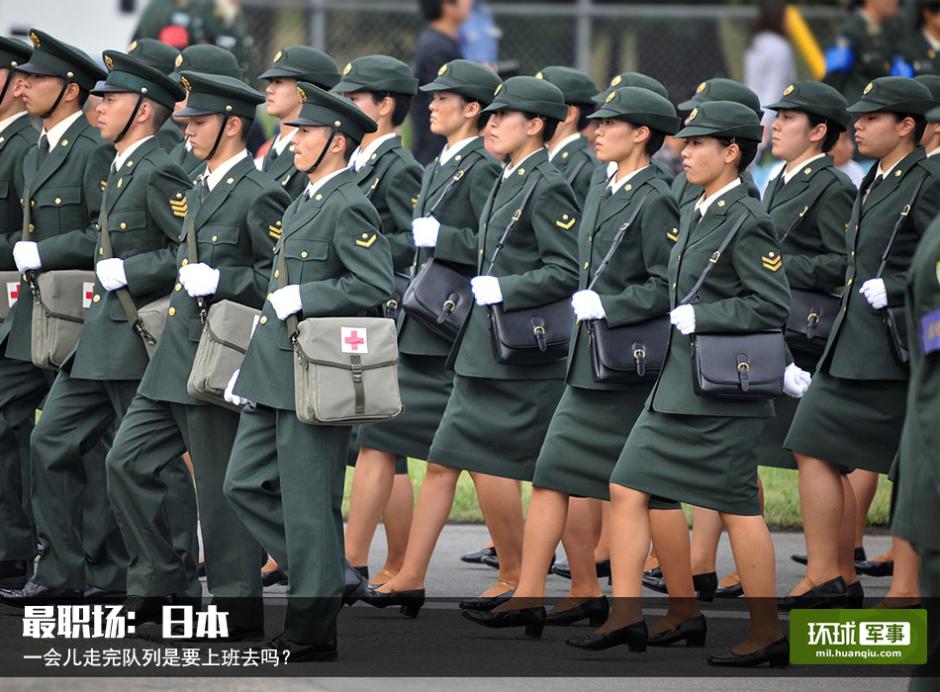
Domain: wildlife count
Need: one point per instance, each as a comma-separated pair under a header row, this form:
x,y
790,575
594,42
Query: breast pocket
x,y
4,189
63,203
217,243
131,233
306,260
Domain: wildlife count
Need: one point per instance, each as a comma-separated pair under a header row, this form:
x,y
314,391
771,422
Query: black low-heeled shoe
x,y
705,585
485,603
733,591
829,594
860,558
533,619
277,576
410,600
855,595
563,569
776,654
493,561
634,636
875,568
476,557
654,572
692,631
356,585
593,609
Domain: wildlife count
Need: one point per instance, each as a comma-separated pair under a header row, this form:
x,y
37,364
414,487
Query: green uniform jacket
x,y
236,227
746,291
336,253
391,180
457,242
537,266
633,287
142,203
812,240
921,56
64,197
858,346
577,163
283,170
687,194
15,142
192,164
872,51
169,136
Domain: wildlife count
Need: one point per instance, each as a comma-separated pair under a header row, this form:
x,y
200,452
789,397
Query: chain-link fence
x,y
680,45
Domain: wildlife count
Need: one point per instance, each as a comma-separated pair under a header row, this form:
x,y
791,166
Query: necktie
x,y
43,149
608,193
875,183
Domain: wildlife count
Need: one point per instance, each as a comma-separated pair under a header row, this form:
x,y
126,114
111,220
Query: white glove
x,y
286,301
486,290
425,231
199,279
875,293
683,318
795,381
230,396
111,273
26,255
587,306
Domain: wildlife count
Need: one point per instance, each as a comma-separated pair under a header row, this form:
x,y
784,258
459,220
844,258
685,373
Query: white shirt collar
x,y
55,134
313,187
449,152
510,168
611,168
361,156
216,176
883,173
119,159
933,152
6,122
703,205
934,43
562,144
280,144
188,145
789,175
616,185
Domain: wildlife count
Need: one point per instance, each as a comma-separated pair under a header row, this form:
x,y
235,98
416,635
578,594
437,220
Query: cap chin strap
x,y
218,138
48,113
322,153
130,120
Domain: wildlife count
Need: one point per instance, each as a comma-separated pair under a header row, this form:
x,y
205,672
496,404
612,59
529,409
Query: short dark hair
x,y
83,95
747,147
920,124
351,146
655,142
832,131
432,10
402,104
247,124
160,114
482,118
549,125
584,110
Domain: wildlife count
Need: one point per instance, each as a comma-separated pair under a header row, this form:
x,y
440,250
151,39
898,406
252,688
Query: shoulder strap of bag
x,y
713,260
621,232
897,226
192,254
812,202
456,178
386,162
573,173
281,283
526,194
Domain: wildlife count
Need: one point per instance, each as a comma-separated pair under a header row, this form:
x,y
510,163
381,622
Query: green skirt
x,y
495,426
770,449
854,424
706,461
917,503
584,440
425,384
352,454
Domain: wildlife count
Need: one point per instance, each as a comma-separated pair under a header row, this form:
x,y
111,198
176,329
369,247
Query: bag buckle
x,y
743,370
812,321
447,309
716,255
538,330
639,355
144,334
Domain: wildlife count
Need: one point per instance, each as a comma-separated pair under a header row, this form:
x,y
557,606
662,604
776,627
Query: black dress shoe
x,y
363,570
563,569
302,653
476,557
634,636
277,576
855,595
14,573
776,654
655,572
802,559
410,600
829,594
485,602
875,568
95,595
705,585
799,558
37,594
146,608
733,591
594,609
692,631
356,586
533,619
493,561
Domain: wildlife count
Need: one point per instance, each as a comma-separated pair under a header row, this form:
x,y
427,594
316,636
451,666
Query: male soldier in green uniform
x,y
162,57
235,214
17,137
292,64
285,478
63,181
568,149
717,89
201,58
388,175
140,222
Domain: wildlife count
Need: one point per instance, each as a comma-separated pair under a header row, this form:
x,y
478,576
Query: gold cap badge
x,y
131,48
538,75
348,68
701,87
789,90
34,38
278,56
692,116
499,88
302,94
610,97
179,61
186,85
871,85
616,80
440,72
109,62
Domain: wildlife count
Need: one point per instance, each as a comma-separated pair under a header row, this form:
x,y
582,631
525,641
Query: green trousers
x,y
151,439
285,480
930,594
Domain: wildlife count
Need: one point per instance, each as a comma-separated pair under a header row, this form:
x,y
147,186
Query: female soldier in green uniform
x,y
447,213
851,416
495,410
690,447
922,50
634,219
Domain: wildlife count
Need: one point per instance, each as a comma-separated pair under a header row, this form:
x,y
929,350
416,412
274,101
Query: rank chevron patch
x,y
772,261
